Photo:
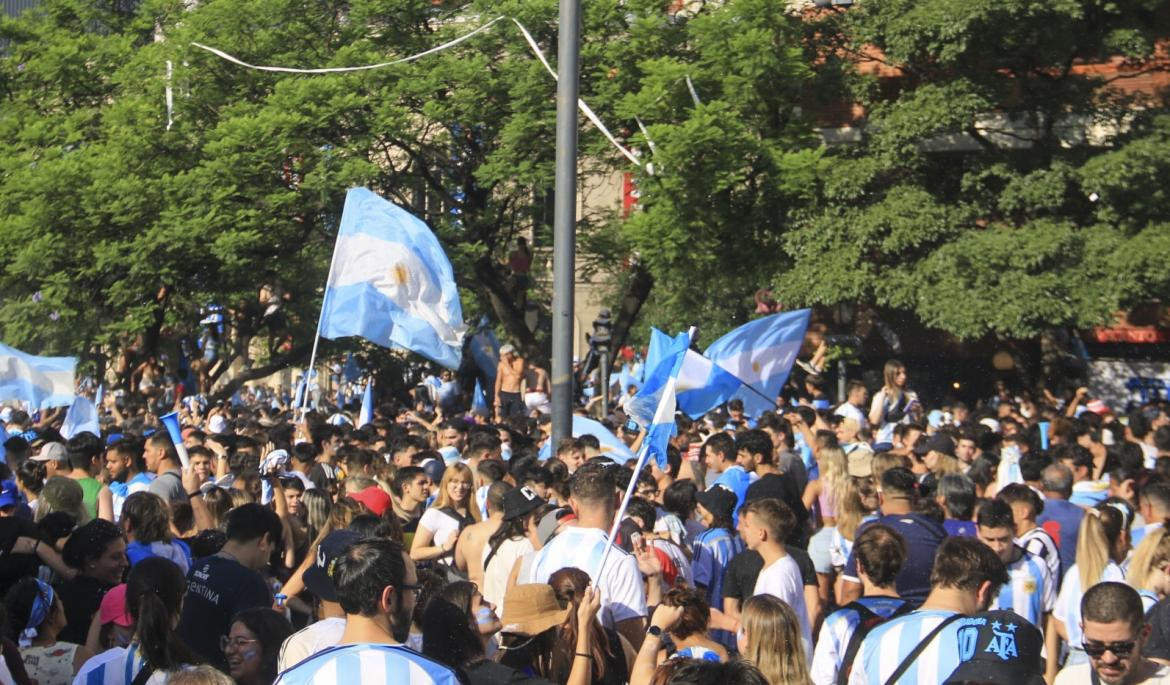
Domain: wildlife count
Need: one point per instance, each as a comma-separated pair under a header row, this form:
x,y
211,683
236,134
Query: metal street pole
x,y
605,381
565,219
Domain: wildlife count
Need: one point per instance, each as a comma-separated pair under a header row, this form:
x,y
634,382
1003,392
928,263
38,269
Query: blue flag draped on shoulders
x,y
761,353
391,283
43,382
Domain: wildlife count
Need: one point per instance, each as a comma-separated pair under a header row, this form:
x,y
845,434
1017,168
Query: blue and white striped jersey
x,y
889,644
622,595
1030,591
710,552
116,666
368,663
1040,543
837,630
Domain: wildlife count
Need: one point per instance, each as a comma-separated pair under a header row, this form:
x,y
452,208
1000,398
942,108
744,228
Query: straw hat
x,y
531,609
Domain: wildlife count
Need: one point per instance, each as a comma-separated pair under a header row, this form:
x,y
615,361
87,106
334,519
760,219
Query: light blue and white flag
x,y
479,403
100,397
700,385
611,445
391,283
43,382
299,395
485,351
366,414
82,417
761,354
3,439
659,344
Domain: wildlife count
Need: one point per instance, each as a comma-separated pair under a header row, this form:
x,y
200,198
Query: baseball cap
x,y
51,451
998,647
9,497
520,501
507,348
113,608
375,499
1098,407
859,463
218,424
939,442
318,577
718,500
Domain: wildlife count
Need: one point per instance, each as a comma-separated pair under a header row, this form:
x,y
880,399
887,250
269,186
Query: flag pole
x,y
643,453
317,334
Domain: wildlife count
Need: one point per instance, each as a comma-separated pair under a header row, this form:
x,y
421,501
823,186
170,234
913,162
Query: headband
x,y
42,604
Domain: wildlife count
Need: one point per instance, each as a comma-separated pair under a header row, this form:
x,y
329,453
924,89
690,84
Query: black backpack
x,y
867,621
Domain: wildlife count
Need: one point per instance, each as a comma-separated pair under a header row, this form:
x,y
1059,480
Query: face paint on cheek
x,y
248,654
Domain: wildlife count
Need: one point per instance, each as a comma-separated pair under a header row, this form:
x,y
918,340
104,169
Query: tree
x,y
119,223
1000,186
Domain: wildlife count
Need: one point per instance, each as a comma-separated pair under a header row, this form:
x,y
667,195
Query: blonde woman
x,y
892,404
1149,568
453,510
820,497
1102,545
769,637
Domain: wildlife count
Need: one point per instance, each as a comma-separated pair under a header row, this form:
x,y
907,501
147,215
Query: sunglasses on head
x,y
1120,649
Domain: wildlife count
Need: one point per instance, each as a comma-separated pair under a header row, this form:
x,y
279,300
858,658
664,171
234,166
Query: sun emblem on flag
x,y
399,275
756,367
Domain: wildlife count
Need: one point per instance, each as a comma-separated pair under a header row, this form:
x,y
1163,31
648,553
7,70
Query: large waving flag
x,y
391,283
699,384
43,382
761,354
82,417
663,383
659,345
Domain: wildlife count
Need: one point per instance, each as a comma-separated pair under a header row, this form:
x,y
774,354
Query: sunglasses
x,y
1119,649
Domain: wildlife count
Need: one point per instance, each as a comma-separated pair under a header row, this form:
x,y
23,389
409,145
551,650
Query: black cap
x,y
998,647
520,501
319,576
939,442
718,500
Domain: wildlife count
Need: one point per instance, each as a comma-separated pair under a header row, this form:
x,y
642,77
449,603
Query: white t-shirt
x,y
495,573
851,411
622,595
306,642
1068,603
782,580
443,526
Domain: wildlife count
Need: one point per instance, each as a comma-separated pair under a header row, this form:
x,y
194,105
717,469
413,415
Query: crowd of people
x,y
867,541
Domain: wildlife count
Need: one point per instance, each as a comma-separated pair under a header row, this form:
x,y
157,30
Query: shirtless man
x,y
469,549
536,390
509,375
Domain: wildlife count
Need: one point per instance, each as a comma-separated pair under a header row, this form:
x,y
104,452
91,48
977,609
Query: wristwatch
x,y
654,631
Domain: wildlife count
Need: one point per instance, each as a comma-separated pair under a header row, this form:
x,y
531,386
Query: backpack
x,y
867,620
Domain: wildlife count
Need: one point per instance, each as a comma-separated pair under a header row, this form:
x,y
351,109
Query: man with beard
x,y
377,587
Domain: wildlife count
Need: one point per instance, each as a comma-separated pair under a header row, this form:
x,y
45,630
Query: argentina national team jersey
x,y
622,596
1039,543
368,663
1029,592
889,644
836,632
710,552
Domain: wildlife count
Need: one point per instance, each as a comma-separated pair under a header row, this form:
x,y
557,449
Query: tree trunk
x,y
637,290
297,354
511,316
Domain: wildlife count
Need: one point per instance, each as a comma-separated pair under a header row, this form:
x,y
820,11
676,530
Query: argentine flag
x,y
611,445
82,417
761,354
700,385
366,413
391,283
43,382
662,384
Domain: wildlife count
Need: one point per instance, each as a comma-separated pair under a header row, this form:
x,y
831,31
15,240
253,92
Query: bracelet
x,y
193,495
35,546
587,656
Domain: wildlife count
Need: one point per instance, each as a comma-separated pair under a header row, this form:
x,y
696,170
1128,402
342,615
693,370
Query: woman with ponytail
x,y
1149,568
35,617
154,595
1102,546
